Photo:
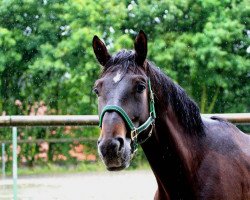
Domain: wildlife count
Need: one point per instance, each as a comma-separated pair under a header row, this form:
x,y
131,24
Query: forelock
x,y
122,61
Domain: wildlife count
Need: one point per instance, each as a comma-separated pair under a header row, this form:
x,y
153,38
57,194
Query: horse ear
x,y
101,51
141,48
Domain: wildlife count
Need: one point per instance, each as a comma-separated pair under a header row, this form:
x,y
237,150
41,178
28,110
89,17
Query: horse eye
x,y
140,88
95,90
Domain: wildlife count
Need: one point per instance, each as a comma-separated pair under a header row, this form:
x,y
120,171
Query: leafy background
x,y
47,65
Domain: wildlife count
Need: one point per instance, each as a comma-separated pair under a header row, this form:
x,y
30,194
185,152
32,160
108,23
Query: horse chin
x,y
117,164
117,168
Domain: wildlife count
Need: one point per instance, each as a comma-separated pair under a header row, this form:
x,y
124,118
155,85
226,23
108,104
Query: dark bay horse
x,y
191,157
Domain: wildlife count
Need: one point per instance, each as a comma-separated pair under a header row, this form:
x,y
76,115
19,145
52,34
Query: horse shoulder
x,y
226,162
224,136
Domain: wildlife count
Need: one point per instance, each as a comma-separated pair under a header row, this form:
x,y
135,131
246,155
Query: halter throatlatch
x,y
134,131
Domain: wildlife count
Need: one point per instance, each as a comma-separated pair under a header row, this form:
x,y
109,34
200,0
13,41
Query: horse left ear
x,y
141,48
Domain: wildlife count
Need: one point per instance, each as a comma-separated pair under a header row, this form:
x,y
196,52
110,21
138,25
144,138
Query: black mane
x,y
165,90
168,93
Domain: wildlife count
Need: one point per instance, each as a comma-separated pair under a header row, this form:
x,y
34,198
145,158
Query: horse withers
x,y
191,157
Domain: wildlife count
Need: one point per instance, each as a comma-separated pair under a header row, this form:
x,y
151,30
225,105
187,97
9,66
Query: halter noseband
x,y
134,132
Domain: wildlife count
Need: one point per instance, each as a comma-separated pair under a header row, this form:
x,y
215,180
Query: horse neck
x,y
173,155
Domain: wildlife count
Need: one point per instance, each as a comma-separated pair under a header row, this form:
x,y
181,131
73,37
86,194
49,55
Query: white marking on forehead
x,y
117,77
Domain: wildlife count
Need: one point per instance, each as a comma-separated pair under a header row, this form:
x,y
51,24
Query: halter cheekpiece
x,y
134,131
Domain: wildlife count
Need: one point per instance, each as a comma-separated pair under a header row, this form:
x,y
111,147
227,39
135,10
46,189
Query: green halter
x,y
133,130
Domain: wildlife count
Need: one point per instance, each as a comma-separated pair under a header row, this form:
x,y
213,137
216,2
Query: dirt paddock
x,y
125,185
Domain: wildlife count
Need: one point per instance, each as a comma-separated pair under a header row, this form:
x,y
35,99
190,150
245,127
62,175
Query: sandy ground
x,y
124,185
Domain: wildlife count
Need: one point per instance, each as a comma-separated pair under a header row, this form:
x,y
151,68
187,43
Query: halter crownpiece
x,y
134,131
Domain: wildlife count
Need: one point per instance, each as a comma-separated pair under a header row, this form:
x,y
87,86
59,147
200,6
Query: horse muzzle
x,y
115,153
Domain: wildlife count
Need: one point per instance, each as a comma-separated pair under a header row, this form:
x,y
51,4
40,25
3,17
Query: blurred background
x,y
47,66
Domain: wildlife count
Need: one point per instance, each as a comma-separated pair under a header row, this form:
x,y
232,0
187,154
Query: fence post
x,y
3,160
14,162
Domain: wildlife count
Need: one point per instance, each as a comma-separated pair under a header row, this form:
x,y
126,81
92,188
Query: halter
x,y
134,131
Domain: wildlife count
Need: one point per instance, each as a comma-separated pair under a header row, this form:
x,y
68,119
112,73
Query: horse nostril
x,y
112,147
121,143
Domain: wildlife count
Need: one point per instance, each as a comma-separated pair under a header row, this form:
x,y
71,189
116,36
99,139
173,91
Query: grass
x,y
52,168
83,167
42,168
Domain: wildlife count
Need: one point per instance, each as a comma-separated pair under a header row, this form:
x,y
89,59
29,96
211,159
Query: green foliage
x,y
201,45
46,53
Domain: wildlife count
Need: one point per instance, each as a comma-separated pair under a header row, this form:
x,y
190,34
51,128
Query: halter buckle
x,y
134,134
151,130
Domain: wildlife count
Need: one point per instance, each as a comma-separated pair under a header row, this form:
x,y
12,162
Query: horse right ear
x,y
101,51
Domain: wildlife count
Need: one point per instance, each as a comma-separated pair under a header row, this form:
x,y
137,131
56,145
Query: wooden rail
x,y
49,120
90,120
236,118
52,140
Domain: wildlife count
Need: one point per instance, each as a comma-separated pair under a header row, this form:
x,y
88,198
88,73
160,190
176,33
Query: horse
x,y
192,157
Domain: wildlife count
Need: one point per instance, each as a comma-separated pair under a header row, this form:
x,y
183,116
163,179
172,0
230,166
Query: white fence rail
x,y
90,120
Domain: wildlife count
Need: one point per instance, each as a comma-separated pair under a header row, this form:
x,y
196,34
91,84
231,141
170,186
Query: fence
x,y
90,120
73,120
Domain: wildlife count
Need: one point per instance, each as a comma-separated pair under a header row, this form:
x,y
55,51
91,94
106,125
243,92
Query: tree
x,y
201,45
46,53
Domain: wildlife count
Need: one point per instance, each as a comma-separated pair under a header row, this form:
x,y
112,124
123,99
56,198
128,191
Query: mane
x,y
167,93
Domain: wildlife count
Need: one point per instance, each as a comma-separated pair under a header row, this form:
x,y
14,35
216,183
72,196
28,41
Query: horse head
x,y
124,103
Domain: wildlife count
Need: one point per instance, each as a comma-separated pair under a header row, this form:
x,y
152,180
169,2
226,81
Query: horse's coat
x,y
191,157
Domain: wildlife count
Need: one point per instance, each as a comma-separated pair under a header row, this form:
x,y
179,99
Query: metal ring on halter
x,y
149,134
134,134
